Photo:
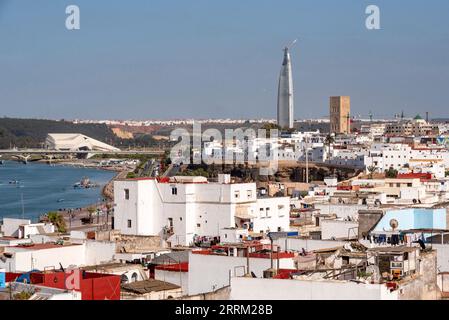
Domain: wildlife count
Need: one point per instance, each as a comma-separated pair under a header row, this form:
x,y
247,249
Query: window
x,y
126,194
129,223
237,194
250,194
174,191
198,225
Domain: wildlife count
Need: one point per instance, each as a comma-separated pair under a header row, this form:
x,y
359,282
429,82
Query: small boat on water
x,y
85,183
61,200
14,182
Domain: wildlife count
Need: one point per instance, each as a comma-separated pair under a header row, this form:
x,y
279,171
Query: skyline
x,y
211,60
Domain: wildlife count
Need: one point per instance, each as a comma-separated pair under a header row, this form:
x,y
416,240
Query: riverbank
x,y
41,188
49,188
108,190
82,219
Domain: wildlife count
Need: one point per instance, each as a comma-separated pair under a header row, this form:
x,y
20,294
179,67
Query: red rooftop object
x,y
177,267
422,176
93,286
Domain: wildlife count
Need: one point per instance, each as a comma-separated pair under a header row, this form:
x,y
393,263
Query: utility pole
x,y
23,207
349,123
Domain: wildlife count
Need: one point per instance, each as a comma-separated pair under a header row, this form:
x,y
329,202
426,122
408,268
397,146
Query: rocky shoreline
x,y
108,189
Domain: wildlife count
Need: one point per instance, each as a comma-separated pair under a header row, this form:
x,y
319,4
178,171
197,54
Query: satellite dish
x,y
394,223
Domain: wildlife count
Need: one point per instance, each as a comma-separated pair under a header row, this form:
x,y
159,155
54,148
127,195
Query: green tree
x,y
58,221
131,175
371,170
391,173
329,141
270,126
91,211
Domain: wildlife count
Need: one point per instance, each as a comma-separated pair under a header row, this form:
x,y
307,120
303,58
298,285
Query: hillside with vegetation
x,y
31,133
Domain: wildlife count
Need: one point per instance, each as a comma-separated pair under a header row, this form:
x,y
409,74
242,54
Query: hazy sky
x,y
165,59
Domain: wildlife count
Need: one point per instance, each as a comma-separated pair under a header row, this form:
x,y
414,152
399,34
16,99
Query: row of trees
x,y
58,220
390,173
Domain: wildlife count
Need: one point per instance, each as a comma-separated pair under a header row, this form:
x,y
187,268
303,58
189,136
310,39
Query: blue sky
x,y
165,59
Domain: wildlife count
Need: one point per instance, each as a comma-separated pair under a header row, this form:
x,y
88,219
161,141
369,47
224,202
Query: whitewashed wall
x,y
209,272
275,289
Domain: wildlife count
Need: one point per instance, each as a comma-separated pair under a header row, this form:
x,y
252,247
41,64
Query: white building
x,y
208,272
24,258
185,207
75,142
386,156
295,289
23,228
348,157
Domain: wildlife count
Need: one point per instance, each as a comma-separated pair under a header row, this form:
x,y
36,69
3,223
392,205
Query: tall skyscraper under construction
x,y
285,93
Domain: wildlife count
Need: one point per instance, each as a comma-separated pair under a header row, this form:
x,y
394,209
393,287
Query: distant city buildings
x,y
415,127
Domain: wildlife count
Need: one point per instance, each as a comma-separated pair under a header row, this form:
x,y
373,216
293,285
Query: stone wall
x,y
138,243
424,285
367,220
220,294
129,243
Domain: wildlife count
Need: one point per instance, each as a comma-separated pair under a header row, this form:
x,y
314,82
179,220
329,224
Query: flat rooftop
x,y
43,246
148,286
108,267
399,249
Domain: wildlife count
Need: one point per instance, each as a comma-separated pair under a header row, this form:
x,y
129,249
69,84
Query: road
x,y
172,170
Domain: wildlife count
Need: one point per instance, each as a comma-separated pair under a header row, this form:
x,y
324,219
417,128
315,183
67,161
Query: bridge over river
x,y
25,154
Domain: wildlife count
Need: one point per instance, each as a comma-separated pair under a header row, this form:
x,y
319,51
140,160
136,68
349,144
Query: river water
x,y
45,188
